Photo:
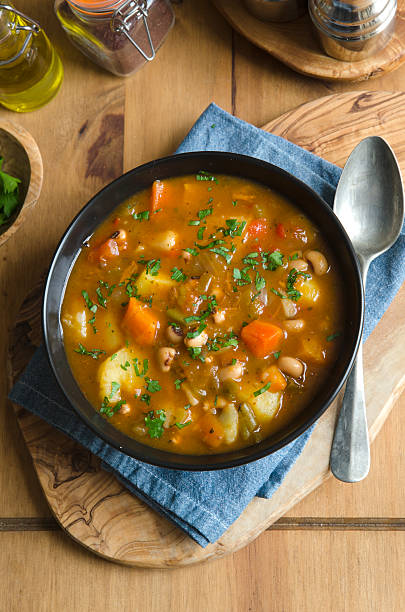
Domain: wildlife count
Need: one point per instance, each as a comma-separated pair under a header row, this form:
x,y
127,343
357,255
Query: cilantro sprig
x,y
154,421
9,194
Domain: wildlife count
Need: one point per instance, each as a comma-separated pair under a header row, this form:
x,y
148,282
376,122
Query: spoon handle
x,y
350,456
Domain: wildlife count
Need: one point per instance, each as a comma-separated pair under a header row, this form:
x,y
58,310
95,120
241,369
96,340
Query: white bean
x,y
318,262
174,334
199,340
290,366
289,307
219,317
165,356
231,372
298,264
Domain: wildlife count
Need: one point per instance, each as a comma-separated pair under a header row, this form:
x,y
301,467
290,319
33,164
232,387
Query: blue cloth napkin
x,y
205,504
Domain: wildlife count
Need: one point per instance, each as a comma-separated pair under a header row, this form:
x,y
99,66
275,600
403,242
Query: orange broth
x,y
177,314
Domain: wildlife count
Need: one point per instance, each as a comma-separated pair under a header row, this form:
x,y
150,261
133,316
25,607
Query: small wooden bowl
x,y
23,160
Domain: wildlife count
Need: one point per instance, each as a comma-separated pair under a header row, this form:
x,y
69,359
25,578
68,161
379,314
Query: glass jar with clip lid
x,y
119,35
30,69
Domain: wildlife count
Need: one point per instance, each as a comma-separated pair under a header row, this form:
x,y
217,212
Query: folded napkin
x,y
205,504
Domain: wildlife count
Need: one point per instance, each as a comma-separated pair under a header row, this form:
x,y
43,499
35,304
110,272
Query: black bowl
x,y
125,186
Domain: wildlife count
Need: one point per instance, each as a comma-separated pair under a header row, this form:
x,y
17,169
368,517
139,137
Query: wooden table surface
x,y
343,547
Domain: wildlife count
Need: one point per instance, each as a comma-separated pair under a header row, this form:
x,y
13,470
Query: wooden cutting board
x,y
94,509
295,44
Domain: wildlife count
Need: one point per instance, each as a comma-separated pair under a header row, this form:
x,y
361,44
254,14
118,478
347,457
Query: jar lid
x,y
106,7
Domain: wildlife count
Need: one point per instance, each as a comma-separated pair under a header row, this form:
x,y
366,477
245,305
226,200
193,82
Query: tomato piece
x,y
258,228
280,230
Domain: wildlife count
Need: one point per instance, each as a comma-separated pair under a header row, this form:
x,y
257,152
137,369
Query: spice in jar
x,y
119,35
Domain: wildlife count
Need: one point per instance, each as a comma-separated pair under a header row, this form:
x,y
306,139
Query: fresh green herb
x,y
144,214
191,319
145,366
293,293
194,222
272,261
145,398
214,344
152,385
9,197
195,351
114,388
260,283
101,299
132,291
224,252
293,257
125,366
197,332
205,176
187,406
109,288
113,356
204,213
233,361
154,421
234,202
210,244
276,355
262,390
178,275
94,353
280,295
181,425
178,381
333,337
108,409
152,266
191,251
200,233
213,125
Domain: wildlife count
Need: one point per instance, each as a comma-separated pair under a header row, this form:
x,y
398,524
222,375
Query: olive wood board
x,y
96,510
295,43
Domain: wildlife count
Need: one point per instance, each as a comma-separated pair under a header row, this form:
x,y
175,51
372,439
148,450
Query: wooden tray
x,y
93,508
295,44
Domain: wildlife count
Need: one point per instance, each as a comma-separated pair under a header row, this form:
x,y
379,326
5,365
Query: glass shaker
x,y
30,69
119,35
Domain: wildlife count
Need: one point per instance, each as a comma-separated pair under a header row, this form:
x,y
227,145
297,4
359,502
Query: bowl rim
x,y
28,143
166,459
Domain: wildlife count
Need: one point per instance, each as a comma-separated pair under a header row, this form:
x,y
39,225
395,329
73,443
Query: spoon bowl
x,y
369,200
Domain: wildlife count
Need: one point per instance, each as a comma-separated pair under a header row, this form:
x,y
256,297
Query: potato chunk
x,y
148,285
266,405
110,371
229,419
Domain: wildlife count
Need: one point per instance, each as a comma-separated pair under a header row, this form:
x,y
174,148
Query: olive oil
x,y
31,72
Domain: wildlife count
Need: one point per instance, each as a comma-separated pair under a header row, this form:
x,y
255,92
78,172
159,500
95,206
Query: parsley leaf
x,y
178,381
178,275
152,385
140,216
154,421
333,337
262,390
95,353
181,425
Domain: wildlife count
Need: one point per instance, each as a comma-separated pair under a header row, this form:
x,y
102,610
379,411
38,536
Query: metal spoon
x,y
369,203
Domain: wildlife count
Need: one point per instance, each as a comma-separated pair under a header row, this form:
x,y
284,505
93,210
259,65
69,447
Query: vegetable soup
x,y
203,314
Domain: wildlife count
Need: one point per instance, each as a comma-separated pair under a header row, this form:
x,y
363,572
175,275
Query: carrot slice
x,y
140,321
161,195
211,430
275,377
105,251
257,228
262,338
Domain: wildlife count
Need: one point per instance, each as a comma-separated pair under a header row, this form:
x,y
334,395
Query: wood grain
x,y
98,512
23,160
295,44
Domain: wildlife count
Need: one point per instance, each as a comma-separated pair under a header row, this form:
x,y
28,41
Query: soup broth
x,y
203,314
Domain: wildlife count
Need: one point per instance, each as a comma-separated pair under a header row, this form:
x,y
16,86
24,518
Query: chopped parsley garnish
x,y
178,275
152,385
333,337
113,356
197,332
191,319
293,293
195,351
181,425
191,251
145,398
154,421
262,390
152,266
224,252
234,228
233,363
205,176
145,366
272,261
125,366
108,409
219,342
276,355
140,216
200,233
260,283
132,291
204,212
114,388
101,299
234,202
194,222
94,353
293,257
178,381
